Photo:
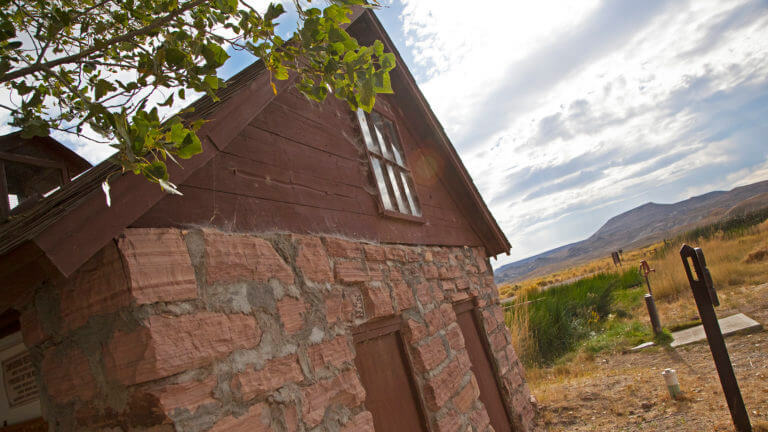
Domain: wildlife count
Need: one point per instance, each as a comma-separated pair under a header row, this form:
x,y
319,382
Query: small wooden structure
x,y
323,269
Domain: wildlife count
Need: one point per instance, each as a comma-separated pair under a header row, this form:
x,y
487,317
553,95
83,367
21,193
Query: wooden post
x,y
706,298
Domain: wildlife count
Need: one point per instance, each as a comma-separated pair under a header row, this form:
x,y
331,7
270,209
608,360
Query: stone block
x,y
376,271
233,258
423,293
339,248
165,346
377,300
98,287
440,387
350,272
467,396
479,419
256,419
362,422
31,331
338,308
395,253
333,353
413,255
414,331
430,271
395,274
450,422
344,389
187,395
291,311
374,253
455,337
67,375
403,295
434,320
459,296
312,260
157,265
275,374
428,355
449,271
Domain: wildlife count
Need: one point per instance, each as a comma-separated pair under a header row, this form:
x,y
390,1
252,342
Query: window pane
x,y
394,144
396,188
382,184
366,131
410,194
382,141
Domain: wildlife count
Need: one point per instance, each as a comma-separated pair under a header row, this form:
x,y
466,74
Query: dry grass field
x,y
572,273
608,388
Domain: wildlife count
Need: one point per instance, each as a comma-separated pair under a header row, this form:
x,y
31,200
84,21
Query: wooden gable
x,y
269,162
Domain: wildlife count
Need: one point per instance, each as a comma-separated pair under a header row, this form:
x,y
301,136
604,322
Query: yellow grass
x,y
727,260
736,265
630,258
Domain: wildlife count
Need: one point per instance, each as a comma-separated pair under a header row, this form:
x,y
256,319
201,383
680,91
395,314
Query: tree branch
x,y
106,44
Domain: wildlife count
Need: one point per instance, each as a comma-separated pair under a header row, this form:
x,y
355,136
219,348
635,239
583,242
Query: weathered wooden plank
x,y
243,213
231,173
282,121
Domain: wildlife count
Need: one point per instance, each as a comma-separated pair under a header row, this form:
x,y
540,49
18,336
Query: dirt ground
x,y
626,392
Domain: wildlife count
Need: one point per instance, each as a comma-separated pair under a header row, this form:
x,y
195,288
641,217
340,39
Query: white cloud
x,y
602,119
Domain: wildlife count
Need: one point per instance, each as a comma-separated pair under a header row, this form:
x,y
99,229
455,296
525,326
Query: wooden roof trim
x,y
72,234
70,227
499,242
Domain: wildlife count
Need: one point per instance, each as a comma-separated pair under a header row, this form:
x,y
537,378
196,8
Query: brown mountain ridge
x,y
640,226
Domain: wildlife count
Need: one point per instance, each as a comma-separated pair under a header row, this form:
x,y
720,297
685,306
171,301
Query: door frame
x,y
385,326
471,305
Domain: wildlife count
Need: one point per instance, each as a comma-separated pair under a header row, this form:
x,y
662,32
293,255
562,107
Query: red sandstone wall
x,y
207,331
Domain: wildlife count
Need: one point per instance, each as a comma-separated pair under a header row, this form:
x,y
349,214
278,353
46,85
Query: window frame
x,y
382,109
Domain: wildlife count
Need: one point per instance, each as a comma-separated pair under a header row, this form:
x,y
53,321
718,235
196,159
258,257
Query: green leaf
x,y
214,54
102,88
337,13
175,57
155,171
190,146
381,82
387,61
177,133
281,72
212,81
367,95
378,48
273,11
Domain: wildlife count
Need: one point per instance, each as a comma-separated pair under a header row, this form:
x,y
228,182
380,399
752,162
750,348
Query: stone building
x,y
324,270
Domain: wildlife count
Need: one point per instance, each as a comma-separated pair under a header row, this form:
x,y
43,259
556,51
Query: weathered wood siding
x,y
301,166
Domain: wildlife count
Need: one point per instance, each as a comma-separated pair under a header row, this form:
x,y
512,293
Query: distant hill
x,y
640,226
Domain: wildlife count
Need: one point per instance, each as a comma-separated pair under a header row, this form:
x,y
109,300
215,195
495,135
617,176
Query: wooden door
x,y
386,376
482,367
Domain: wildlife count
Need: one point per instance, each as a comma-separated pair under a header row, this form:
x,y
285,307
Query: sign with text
x,y
19,380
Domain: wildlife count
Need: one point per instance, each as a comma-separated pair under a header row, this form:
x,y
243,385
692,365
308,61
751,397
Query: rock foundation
x,y
203,330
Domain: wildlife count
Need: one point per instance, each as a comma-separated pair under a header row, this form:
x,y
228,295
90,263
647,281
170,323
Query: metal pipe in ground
x,y
673,385
653,313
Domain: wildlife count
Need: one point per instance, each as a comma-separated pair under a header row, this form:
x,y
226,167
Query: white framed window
x,y
397,195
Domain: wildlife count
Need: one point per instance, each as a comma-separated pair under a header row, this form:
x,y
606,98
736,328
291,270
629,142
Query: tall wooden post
x,y
706,299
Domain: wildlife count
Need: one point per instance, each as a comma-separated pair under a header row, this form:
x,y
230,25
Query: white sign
x,y
19,379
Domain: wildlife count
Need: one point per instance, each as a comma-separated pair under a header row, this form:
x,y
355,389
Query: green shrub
x,y
562,316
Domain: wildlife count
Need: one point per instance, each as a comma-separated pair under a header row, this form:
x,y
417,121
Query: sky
x,y
567,113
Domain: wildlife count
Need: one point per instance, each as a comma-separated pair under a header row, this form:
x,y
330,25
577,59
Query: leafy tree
x,y
103,64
